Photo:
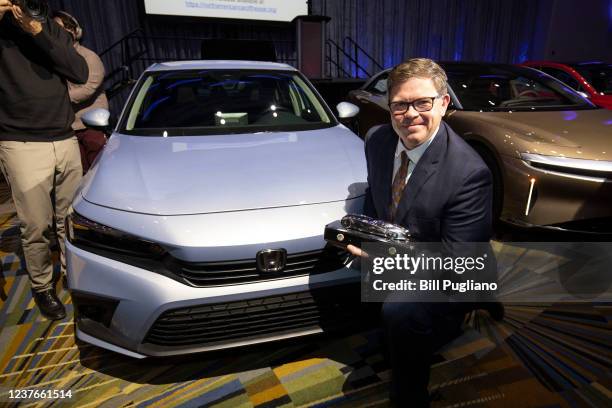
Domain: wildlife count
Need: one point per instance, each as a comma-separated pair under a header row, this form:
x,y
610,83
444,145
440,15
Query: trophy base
x,y
338,235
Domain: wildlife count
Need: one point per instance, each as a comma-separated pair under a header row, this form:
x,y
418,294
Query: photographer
x,y
39,154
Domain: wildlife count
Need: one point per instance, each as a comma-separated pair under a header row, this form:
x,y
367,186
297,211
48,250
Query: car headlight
x,y
569,166
90,235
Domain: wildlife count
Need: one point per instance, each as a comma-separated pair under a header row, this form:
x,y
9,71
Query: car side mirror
x,y
98,119
347,110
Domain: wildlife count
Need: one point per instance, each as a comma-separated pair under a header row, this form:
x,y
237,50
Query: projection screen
x,y
267,10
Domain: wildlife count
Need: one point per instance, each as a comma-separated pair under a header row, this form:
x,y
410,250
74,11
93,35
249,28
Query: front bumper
x,y
153,315
559,201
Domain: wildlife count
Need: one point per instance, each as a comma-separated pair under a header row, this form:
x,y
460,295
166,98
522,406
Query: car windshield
x,y
501,88
223,101
598,75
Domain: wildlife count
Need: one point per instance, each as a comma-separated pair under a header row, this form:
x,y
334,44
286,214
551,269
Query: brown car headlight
x,y
596,170
90,235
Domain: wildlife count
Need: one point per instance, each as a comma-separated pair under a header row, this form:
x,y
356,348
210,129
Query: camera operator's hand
x,y
27,23
353,250
5,6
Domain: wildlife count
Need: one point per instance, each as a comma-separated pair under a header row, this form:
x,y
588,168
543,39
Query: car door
x,y
373,103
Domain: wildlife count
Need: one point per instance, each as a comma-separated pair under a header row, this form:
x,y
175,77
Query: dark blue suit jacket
x,y
447,198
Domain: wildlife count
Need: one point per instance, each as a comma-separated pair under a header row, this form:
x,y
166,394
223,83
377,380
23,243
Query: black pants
x,y
413,332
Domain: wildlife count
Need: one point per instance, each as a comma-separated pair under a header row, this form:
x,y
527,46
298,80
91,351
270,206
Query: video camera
x,y
36,9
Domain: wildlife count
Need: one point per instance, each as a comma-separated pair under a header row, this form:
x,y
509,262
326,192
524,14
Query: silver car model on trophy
x,y
354,229
200,227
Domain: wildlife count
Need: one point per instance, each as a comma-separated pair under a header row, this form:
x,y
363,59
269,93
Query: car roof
x,y
481,66
218,64
461,64
566,63
475,63
585,63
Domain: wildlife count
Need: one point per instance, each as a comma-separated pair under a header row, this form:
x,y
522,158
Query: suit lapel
x,y
385,175
424,169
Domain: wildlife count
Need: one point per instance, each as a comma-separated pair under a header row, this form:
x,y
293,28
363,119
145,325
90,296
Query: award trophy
x,y
355,229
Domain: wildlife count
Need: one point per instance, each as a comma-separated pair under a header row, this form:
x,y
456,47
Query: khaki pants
x,y
43,177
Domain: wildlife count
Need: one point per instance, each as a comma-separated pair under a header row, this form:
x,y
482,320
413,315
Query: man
x,y
85,97
423,176
39,154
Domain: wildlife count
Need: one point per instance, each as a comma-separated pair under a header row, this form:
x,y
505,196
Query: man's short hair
x,y
418,68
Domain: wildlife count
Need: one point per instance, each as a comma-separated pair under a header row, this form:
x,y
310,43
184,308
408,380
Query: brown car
x,y
549,148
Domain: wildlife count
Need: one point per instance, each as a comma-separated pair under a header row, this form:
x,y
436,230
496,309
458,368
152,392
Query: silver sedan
x,y
201,225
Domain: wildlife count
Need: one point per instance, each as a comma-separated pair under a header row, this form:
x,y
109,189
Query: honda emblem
x,y
271,260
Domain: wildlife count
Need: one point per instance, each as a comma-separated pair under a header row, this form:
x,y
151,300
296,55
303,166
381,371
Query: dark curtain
x,y
387,30
470,30
106,22
103,21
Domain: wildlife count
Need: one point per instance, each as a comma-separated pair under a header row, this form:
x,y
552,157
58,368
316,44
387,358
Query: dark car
x,y
548,147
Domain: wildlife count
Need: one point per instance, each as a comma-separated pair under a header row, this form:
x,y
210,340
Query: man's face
x,y
414,127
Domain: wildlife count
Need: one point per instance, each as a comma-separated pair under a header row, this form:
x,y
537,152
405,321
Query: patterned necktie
x,y
399,181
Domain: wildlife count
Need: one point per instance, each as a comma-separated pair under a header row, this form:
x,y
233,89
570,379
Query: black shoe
x,y
50,305
496,310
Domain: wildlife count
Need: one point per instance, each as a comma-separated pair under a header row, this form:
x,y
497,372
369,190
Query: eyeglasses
x,y
419,105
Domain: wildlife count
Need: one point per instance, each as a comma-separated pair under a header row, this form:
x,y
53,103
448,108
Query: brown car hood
x,y
585,134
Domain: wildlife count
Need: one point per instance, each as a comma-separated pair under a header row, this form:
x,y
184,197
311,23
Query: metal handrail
x,y
131,53
330,61
357,48
127,58
349,50
340,50
124,38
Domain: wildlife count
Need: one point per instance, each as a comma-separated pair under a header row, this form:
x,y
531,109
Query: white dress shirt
x,y
414,155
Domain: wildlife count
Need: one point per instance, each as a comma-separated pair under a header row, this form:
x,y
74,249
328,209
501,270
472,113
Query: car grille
x,y
256,318
246,271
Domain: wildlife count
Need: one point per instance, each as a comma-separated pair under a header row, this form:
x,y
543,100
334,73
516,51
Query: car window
x,y
213,101
598,75
563,77
379,86
486,87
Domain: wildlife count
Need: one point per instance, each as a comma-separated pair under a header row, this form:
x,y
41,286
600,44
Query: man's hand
x,y
356,251
5,5
27,24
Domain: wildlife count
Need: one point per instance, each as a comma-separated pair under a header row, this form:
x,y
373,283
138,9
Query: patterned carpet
x,y
544,355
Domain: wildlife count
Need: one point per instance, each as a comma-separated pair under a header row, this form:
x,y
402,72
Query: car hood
x,y
205,174
584,134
